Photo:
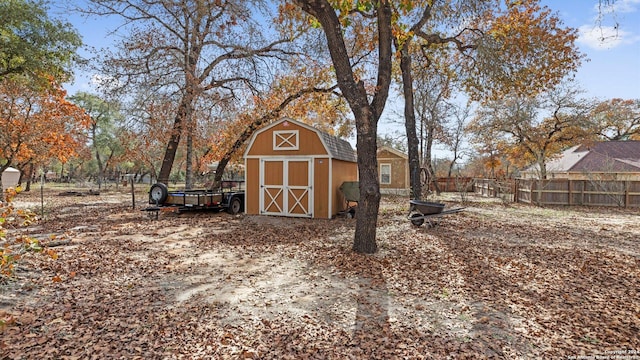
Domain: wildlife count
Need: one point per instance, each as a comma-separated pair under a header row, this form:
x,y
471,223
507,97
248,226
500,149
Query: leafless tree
x,y
188,48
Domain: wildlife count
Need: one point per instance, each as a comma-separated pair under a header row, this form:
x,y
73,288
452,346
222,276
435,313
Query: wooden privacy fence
x,y
564,191
453,184
493,187
578,192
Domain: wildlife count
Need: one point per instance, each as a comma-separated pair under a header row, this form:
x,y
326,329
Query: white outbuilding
x,y
10,177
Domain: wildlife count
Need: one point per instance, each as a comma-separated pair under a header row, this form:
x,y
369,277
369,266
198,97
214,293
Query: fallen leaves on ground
x,y
489,282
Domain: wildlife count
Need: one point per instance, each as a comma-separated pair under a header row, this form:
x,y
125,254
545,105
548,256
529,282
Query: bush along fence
x,y
564,191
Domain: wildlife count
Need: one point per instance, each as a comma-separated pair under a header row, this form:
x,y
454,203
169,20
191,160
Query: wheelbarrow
x,y
351,192
426,211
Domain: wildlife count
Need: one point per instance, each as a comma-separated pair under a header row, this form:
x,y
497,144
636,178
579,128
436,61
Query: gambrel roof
x,y
336,148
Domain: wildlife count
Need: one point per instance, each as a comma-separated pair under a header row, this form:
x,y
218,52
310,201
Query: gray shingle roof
x,y
338,148
607,156
566,160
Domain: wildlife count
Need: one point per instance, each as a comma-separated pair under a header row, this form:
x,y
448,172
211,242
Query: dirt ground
x,y
493,281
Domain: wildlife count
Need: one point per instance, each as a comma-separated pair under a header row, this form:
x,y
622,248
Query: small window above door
x,y
286,140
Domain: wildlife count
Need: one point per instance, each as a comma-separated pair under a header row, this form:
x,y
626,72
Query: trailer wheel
x,y
158,193
417,222
235,205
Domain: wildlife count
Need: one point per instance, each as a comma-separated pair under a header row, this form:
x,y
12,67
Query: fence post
x,y
627,185
532,191
570,200
133,194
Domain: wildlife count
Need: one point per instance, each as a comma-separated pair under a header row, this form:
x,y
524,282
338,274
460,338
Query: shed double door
x,y
286,187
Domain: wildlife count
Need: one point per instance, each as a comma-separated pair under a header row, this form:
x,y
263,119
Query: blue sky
x,y
609,37
612,65
612,71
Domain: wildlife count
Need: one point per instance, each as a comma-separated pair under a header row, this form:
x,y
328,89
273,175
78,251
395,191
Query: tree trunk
x,y
543,169
30,177
453,162
428,161
369,204
174,140
189,159
98,159
1,188
410,122
366,114
242,138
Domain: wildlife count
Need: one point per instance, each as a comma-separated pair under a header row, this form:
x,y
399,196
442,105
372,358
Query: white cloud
x,y
626,6
601,37
606,30
104,81
616,7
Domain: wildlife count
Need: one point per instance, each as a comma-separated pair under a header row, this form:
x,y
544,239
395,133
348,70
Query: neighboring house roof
x,y
607,156
393,151
566,161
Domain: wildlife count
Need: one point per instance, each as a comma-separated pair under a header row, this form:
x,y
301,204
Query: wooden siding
x,y
300,150
309,144
399,169
342,171
252,184
299,199
321,188
273,173
386,154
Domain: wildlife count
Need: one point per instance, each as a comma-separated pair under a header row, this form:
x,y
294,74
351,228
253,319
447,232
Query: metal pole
x,y
133,194
42,195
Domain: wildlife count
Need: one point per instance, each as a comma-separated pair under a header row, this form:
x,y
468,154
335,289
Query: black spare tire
x,y
158,193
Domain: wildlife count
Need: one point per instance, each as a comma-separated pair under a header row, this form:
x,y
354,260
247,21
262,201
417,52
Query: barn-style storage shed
x,y
293,169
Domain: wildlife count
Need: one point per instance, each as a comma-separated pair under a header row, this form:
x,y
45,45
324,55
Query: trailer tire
x,y
235,205
417,222
158,193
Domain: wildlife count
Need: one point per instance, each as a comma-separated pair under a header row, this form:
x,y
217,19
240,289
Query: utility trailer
x,y
230,197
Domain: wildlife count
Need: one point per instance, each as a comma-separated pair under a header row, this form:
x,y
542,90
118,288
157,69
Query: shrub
x,y
13,248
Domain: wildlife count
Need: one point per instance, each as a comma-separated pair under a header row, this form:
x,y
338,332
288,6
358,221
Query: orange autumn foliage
x,y
526,50
307,98
38,124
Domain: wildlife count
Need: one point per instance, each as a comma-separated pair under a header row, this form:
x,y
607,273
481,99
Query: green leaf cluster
x,y
33,44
